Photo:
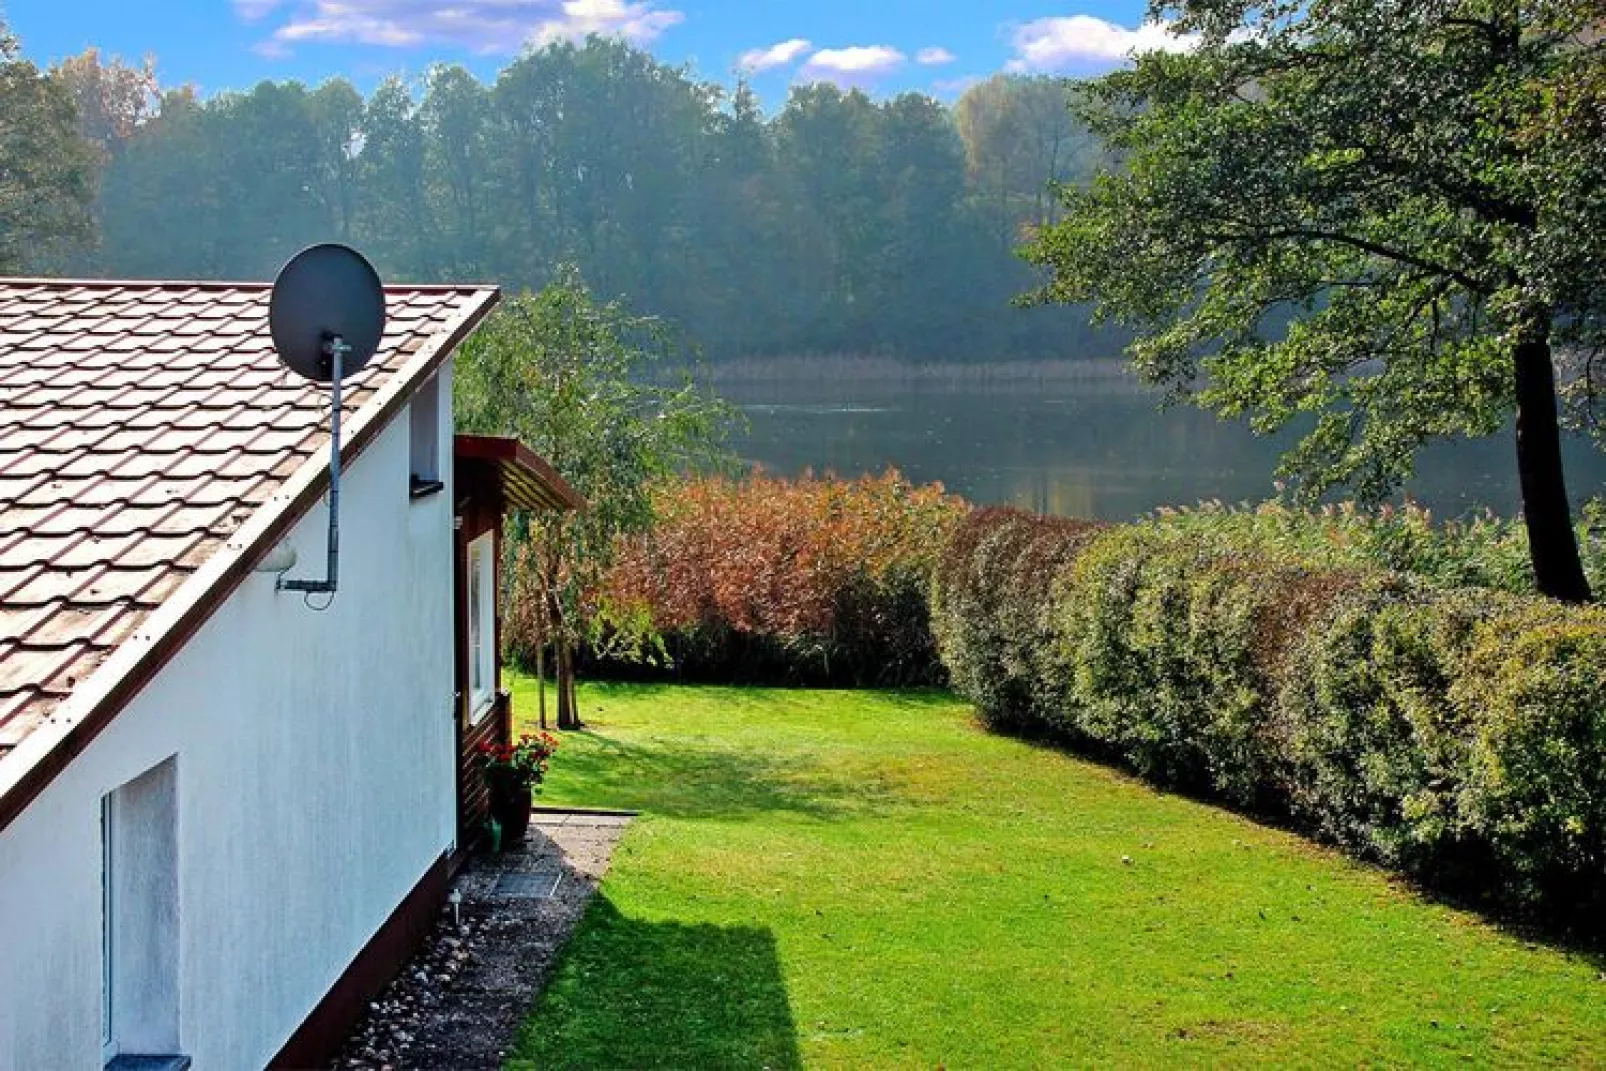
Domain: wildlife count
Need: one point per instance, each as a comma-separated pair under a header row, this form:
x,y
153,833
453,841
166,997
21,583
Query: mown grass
x,y
867,879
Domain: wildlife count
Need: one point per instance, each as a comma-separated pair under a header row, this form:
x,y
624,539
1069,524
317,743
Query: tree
x,y
602,140
160,198
393,211
266,161
456,115
112,98
336,109
565,374
920,172
1021,137
843,224
47,170
733,288
827,147
1357,210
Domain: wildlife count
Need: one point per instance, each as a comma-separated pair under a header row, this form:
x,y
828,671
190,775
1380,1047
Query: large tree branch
x,y
1488,205
1365,245
1485,28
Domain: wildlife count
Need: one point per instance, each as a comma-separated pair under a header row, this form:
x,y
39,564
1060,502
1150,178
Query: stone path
x,y
459,1003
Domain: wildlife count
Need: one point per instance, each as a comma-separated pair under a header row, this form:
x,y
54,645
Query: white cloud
x,y
638,23
1082,42
338,22
762,59
856,66
490,26
934,57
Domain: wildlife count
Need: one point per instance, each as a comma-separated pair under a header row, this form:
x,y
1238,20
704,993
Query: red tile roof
x,y
141,425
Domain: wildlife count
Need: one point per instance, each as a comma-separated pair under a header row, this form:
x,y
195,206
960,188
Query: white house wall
x,y
315,786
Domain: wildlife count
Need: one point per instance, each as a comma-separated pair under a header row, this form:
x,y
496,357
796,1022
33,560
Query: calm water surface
x,y
1078,449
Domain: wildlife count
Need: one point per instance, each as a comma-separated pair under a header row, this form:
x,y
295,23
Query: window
x,y
139,917
481,624
424,426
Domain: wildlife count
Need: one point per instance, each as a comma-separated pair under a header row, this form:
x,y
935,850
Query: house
x,y
226,809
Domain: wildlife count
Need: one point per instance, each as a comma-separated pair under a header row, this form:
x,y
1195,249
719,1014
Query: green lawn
x,y
868,879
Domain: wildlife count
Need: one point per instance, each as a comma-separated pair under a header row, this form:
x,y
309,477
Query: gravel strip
x,y
459,1002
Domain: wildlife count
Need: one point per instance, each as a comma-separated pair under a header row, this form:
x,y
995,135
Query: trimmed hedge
x,y
1484,551
993,582
1458,735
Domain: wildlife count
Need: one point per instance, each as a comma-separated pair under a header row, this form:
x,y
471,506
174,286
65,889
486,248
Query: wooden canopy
x,y
525,479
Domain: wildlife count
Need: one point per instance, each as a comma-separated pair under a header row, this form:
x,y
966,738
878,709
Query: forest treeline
x,y
838,224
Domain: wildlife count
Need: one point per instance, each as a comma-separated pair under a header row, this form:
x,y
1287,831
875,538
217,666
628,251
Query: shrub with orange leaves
x,y
812,580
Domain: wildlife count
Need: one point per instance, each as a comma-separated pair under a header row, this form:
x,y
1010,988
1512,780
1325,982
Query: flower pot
x,y
510,806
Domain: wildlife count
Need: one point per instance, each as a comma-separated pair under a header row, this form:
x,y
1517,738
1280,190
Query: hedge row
x,y
1482,550
1458,735
816,581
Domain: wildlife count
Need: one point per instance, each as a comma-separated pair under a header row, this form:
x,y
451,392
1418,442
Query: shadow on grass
x,y
632,993
682,780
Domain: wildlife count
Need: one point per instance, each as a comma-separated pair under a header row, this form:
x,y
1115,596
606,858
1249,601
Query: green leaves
x,y
47,179
573,379
1350,209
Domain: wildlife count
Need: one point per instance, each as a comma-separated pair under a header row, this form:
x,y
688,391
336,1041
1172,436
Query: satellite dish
x,y
326,315
326,293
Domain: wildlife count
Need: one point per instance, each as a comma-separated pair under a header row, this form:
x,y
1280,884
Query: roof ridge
x,y
64,283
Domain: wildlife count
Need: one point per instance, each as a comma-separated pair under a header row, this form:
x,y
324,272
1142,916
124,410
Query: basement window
x,y
424,428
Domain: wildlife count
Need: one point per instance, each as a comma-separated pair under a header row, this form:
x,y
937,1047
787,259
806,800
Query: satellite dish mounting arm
x,y
327,317
336,349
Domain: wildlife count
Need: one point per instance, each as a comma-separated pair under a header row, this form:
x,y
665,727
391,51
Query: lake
x,y
1089,449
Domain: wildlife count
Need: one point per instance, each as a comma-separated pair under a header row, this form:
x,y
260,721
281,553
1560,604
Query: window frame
x,y
424,461
480,603
110,1050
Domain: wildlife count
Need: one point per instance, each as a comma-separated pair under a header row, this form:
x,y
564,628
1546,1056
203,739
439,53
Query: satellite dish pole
x,y
327,314
337,348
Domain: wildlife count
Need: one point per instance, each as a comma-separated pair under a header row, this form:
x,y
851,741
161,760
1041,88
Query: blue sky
x,y
886,46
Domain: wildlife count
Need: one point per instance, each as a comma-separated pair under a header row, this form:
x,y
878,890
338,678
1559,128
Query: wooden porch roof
x,y
525,478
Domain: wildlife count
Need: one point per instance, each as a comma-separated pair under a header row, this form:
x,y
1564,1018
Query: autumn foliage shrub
x,y
1457,734
812,580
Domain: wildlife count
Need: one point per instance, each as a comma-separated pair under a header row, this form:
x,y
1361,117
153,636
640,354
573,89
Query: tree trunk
x,y
565,715
540,680
574,698
568,714
1552,543
562,658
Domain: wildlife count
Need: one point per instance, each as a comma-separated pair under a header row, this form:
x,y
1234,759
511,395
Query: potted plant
x,y
512,772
